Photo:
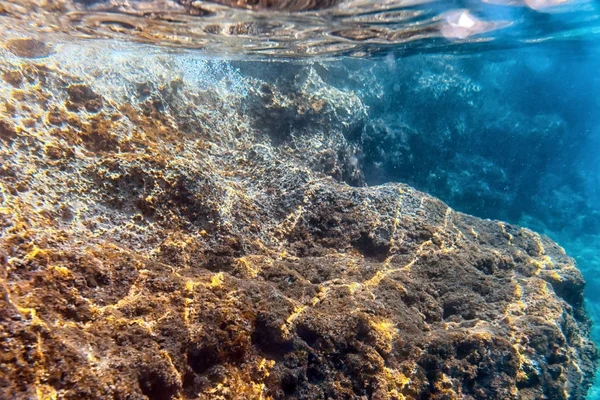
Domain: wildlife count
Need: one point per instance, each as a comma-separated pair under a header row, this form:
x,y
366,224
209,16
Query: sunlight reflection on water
x,y
296,28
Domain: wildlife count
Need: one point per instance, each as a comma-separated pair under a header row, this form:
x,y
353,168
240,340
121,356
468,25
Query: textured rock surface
x,y
167,235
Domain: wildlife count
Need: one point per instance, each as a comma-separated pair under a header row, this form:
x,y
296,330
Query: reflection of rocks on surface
x,y
288,5
168,244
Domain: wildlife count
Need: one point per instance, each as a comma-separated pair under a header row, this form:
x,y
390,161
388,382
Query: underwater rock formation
x,y
166,235
486,134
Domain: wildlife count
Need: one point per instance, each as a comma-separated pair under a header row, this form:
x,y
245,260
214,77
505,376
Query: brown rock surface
x,y
161,244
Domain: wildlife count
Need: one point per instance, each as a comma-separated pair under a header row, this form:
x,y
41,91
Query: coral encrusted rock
x,y
157,241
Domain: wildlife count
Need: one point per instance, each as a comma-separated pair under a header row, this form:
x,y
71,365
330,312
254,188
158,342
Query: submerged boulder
x,y
166,244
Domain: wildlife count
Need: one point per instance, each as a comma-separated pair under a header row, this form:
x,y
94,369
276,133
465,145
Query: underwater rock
x,y
468,131
168,245
28,47
81,95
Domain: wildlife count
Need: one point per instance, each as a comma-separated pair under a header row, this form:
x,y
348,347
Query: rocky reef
x,y
193,230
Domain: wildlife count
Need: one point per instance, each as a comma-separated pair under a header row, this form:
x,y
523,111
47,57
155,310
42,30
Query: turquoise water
x,y
493,107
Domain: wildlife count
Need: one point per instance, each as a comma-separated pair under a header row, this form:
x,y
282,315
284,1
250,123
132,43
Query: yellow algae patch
x,y
545,289
187,310
396,382
38,348
46,392
190,285
250,266
285,328
445,386
65,272
320,296
166,355
474,233
217,280
43,391
518,307
444,247
35,253
557,277
385,329
503,227
177,243
353,287
6,210
237,386
265,367
518,290
543,262
299,309
378,277
393,246
537,239
446,217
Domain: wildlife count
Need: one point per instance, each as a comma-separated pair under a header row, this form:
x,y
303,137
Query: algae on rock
x,y
169,240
